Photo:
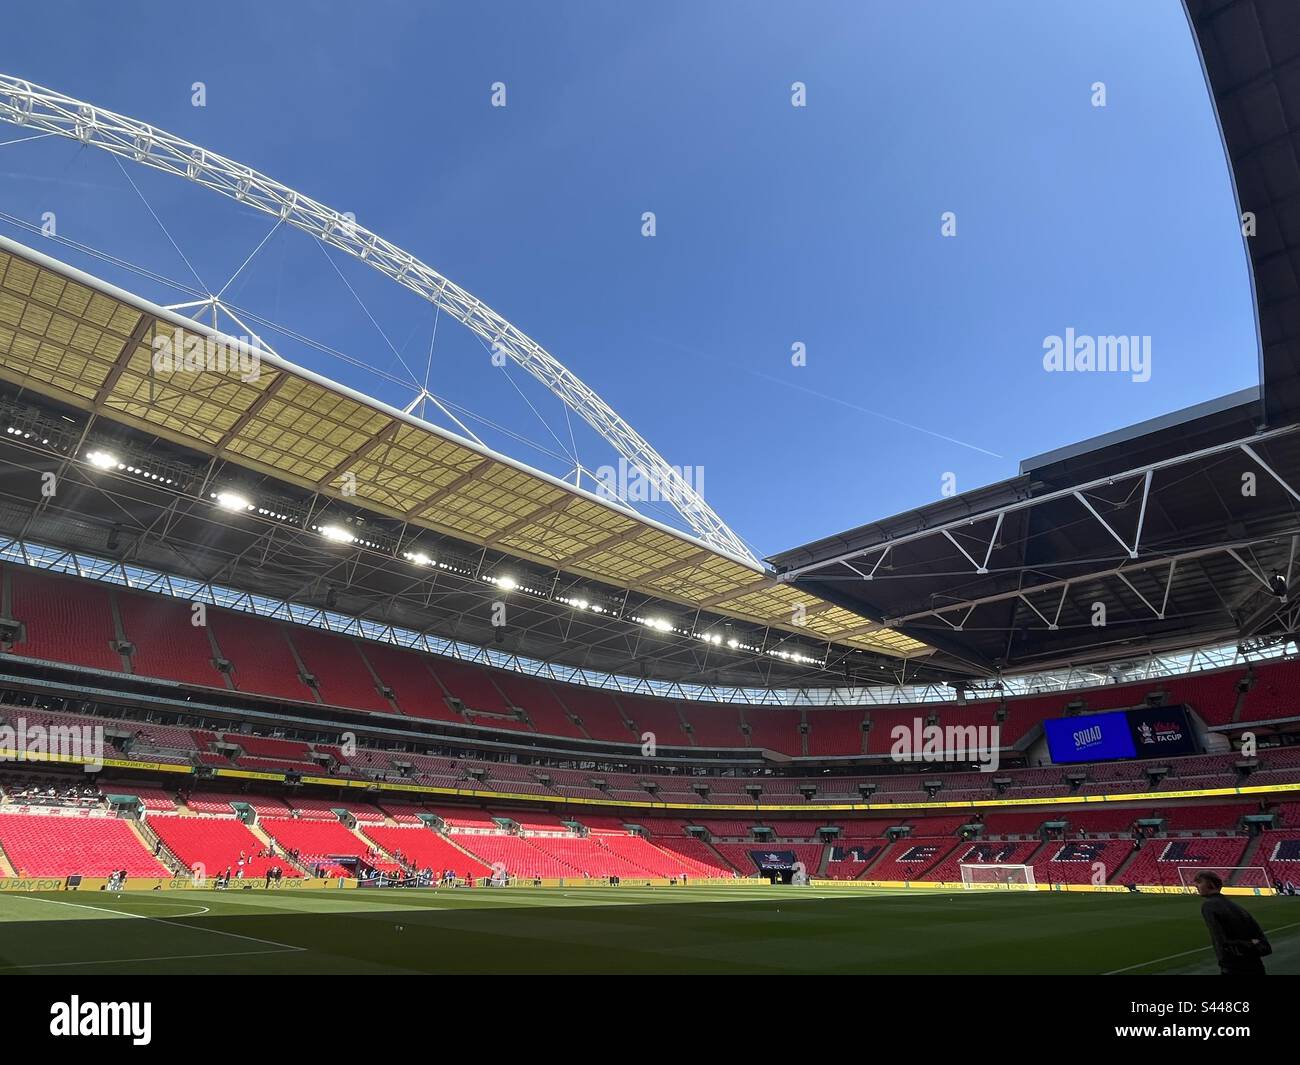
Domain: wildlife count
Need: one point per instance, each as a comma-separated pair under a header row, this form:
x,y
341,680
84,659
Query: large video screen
x,y
1149,732
1162,730
1090,738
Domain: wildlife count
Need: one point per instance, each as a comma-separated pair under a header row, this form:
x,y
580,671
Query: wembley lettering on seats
x,y
78,1018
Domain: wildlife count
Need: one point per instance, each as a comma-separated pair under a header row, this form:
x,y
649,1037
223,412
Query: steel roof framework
x,y
33,107
1015,594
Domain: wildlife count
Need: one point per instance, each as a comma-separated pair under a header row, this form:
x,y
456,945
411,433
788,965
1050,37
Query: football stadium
x,y
303,671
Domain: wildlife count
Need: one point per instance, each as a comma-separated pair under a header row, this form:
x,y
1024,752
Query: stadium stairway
x,y
1117,877
1239,706
722,861
468,854
1036,853
869,869
575,718
267,841
1251,852
150,841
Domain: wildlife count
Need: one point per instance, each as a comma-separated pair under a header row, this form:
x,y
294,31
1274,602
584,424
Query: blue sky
x,y
775,224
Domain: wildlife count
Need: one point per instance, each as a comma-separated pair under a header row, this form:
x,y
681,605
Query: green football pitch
x,y
740,929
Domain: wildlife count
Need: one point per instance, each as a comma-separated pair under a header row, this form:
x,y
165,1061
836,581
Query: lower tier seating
x,y
216,844
61,846
424,848
1159,860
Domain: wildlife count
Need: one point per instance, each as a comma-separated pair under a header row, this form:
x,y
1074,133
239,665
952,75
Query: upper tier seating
x,y
270,747
60,846
538,700
343,676
64,619
167,643
1212,695
69,619
775,729
834,732
1276,693
414,688
713,725
473,686
599,713
658,717
259,654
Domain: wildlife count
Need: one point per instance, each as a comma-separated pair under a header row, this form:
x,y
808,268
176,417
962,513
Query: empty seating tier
x,y
61,846
64,620
215,844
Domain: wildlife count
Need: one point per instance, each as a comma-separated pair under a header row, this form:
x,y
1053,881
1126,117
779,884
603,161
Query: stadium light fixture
x,y
418,557
103,460
508,584
232,501
336,534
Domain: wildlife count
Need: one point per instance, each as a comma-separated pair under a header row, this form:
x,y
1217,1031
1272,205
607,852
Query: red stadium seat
x,y
60,846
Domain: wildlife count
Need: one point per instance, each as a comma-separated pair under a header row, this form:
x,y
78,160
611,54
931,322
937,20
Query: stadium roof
x,y
1164,536
1251,53
81,342
1167,534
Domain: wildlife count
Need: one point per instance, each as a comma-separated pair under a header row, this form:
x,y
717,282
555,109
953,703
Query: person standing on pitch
x,y
1239,943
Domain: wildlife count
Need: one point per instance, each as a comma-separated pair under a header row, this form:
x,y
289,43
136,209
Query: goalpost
x,y
1010,877
1240,876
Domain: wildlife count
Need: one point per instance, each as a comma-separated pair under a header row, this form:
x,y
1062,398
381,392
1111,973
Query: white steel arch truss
x,y
33,107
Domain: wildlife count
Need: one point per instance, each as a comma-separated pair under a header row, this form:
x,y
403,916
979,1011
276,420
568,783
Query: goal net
x,y
1011,877
1241,876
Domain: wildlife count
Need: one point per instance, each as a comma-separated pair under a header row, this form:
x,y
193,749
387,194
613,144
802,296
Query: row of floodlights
x,y
236,502
106,460
22,434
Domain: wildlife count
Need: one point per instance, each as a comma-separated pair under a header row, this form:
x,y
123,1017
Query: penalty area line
x,y
169,922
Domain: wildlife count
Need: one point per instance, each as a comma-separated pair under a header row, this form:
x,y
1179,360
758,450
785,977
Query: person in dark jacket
x,y
1239,943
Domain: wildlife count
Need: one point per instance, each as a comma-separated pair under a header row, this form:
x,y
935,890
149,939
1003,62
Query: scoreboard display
x,y
1147,732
